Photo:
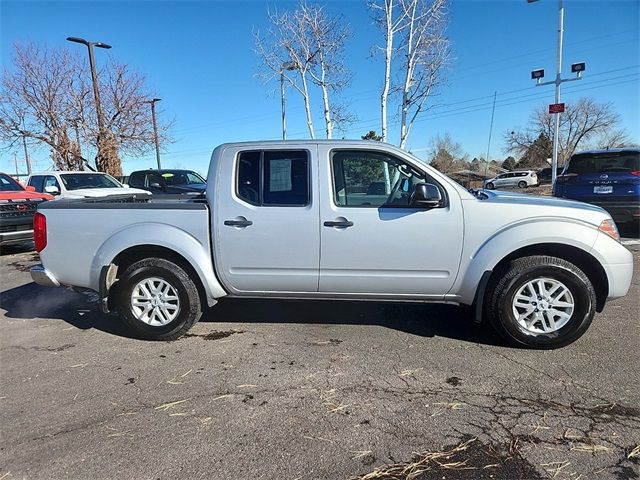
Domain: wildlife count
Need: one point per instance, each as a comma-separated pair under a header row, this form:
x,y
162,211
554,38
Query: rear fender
x,y
161,235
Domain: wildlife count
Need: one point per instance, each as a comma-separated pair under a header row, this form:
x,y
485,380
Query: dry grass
x,y
635,453
421,463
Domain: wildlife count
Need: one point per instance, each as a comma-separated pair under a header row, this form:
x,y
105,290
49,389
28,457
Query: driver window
x,y
372,179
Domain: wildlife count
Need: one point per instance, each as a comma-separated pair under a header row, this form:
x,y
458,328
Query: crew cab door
x,y
372,240
266,221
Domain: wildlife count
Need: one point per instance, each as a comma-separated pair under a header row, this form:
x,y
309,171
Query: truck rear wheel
x,y
541,302
157,299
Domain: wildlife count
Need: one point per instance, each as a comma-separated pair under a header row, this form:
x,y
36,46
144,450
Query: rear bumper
x,y
621,212
41,276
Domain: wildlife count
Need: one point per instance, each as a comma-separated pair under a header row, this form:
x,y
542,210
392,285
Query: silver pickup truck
x,y
338,220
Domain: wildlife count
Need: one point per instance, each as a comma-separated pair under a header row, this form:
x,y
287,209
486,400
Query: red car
x,y
17,206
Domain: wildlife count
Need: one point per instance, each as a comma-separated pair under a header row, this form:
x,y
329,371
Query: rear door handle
x,y
238,223
343,224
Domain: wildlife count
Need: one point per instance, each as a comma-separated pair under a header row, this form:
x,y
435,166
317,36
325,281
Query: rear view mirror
x,y
426,195
52,189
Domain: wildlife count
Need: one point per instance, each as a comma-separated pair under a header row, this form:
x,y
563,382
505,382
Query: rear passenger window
x,y
273,178
136,180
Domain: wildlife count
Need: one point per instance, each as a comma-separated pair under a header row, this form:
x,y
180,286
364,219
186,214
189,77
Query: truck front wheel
x,y
157,299
541,302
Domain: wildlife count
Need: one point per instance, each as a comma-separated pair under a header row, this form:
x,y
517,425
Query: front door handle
x,y
238,223
339,223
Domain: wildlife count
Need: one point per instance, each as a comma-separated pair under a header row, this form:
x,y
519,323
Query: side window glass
x,y
248,177
51,182
136,180
36,182
273,178
371,179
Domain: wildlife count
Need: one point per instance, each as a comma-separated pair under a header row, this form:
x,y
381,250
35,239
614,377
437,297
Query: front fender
x,y
161,235
512,237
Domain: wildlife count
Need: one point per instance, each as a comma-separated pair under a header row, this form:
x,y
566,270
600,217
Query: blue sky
x,y
198,57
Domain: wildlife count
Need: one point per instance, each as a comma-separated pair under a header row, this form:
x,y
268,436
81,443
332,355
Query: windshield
x,y
601,163
76,181
8,184
182,177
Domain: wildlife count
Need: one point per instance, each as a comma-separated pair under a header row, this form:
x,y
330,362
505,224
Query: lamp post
x,y
94,79
155,128
288,66
558,107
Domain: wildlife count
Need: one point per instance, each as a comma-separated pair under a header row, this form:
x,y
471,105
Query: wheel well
x,y
131,255
581,259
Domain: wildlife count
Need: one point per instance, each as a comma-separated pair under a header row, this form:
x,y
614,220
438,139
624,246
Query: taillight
x,y
635,173
40,231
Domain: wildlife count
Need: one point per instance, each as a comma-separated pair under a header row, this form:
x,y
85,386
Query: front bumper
x,y
41,276
20,236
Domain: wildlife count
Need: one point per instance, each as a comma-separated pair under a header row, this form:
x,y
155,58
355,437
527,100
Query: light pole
x,y
94,79
288,66
155,128
558,107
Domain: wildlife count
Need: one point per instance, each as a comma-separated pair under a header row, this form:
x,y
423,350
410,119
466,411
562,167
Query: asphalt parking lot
x,y
309,390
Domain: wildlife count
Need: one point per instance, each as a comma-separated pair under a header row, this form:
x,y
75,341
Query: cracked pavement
x,y
267,389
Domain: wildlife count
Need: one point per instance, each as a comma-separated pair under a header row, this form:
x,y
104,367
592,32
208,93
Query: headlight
x,y
609,227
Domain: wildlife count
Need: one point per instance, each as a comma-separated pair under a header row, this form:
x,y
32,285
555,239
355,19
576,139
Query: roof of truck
x,y
609,150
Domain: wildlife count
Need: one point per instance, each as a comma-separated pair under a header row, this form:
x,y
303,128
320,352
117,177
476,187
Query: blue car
x,y
607,178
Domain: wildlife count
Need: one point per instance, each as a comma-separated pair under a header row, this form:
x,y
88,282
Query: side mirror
x,y
30,188
426,195
52,189
155,185
125,185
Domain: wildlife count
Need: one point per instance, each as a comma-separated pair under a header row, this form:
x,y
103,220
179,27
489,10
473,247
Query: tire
x,y
522,184
502,303
490,186
164,321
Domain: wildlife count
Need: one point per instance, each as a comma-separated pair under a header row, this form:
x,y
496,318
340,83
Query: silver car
x,y
520,179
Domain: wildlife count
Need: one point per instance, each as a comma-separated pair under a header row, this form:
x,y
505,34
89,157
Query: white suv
x,y
521,179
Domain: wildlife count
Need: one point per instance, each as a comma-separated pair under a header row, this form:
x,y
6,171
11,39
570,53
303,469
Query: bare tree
x,y
445,154
584,124
390,17
307,45
426,54
47,98
328,72
286,51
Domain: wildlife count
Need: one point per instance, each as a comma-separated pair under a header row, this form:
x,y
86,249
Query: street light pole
x,y
556,135
577,68
288,66
26,154
94,79
155,128
282,96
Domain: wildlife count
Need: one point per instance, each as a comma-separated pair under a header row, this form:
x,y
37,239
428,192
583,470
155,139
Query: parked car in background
x,y
607,178
309,220
168,181
79,185
17,206
544,175
520,179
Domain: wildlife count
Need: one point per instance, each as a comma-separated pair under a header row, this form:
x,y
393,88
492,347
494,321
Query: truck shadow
x,y
33,302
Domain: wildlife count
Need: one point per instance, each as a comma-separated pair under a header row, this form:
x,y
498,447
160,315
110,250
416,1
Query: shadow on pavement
x,y
81,310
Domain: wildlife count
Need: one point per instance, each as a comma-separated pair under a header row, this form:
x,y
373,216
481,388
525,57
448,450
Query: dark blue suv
x,y
607,178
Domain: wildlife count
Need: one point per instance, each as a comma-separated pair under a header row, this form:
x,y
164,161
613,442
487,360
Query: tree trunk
x,y
307,105
387,69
